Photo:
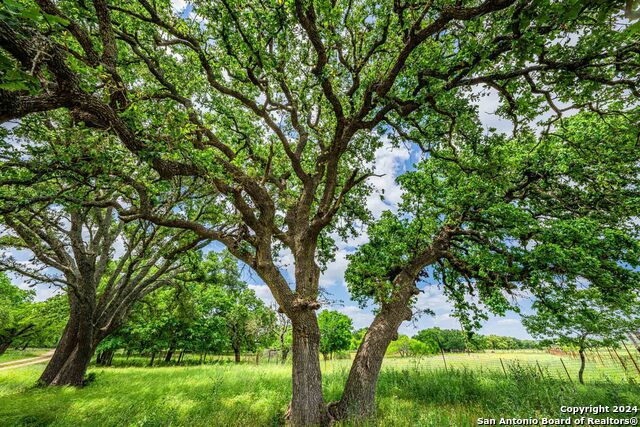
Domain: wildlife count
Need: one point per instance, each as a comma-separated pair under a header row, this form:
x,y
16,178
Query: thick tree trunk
x,y
4,346
64,349
358,398
582,365
74,368
307,403
169,355
236,352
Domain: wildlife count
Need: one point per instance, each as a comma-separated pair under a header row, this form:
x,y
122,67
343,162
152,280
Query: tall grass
x,y
409,394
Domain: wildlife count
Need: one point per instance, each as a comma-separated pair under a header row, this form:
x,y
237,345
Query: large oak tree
x,y
278,107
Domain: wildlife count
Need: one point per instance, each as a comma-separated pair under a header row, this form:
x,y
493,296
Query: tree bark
x,y
236,352
74,368
582,365
307,403
4,346
358,397
169,355
64,348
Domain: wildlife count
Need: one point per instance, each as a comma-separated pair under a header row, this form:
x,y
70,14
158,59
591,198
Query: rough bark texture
x,y
307,403
358,398
65,347
73,354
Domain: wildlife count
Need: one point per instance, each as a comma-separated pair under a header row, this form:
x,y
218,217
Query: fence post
x,y
503,369
624,365
566,370
443,358
632,359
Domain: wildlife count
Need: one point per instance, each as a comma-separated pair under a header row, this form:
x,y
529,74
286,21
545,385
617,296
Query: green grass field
x,y
411,392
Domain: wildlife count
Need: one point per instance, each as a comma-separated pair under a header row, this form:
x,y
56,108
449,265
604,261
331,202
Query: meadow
x,y
411,392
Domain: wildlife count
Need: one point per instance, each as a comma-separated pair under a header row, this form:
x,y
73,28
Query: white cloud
x,y
178,6
390,162
264,293
361,318
488,102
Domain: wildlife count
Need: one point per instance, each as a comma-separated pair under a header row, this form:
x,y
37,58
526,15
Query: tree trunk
x,y
74,368
105,358
582,364
358,397
236,352
4,346
307,403
153,357
63,350
169,355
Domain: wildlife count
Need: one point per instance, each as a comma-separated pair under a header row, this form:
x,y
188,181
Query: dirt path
x,y
26,362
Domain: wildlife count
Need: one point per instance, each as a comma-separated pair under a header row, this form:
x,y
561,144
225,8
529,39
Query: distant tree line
x,y
25,322
211,312
435,340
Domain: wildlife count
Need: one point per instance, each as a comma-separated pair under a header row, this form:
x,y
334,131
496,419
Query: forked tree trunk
x,y
307,403
169,355
358,397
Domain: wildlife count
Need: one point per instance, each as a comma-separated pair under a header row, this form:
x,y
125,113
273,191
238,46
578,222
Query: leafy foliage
x,y
335,332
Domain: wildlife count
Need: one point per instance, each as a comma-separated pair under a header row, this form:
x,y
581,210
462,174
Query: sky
x,y
390,163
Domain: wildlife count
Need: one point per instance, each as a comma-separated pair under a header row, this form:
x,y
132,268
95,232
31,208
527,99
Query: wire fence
x,y
605,364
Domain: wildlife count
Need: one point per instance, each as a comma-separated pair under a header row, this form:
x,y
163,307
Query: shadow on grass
x,y
251,396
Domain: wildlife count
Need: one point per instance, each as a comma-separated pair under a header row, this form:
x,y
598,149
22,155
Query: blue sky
x,y
390,163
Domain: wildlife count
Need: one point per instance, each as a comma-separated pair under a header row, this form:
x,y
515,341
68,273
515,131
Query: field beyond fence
x,y
411,391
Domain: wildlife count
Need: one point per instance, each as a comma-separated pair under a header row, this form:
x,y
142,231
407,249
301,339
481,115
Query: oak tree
x,y
277,109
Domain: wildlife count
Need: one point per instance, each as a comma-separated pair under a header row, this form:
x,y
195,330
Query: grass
x,y
15,354
411,392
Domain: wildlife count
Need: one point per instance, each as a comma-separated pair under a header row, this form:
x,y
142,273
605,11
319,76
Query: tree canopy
x,y
335,332
270,113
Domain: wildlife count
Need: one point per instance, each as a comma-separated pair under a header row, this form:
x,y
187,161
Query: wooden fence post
x,y
632,359
566,370
503,369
